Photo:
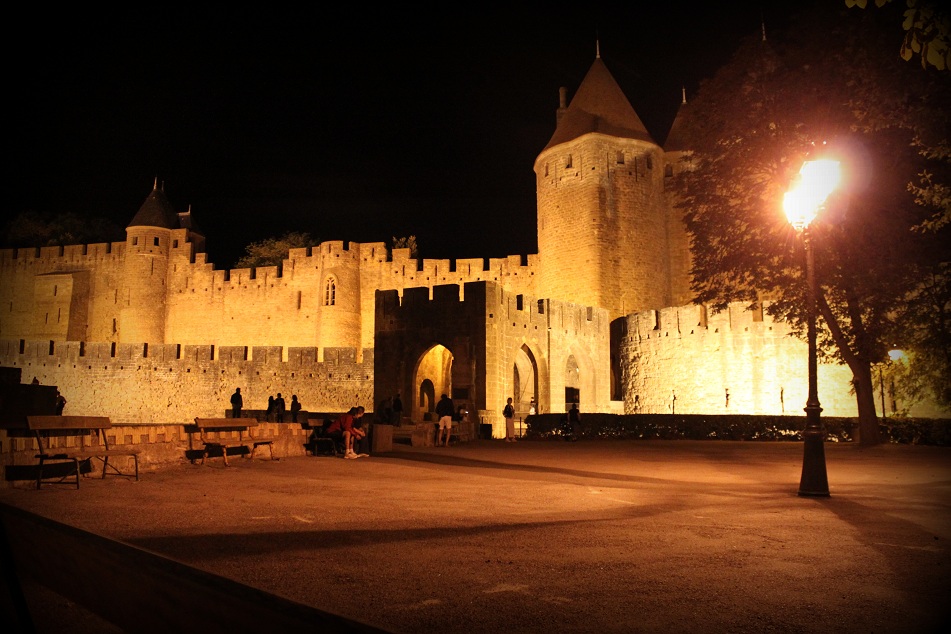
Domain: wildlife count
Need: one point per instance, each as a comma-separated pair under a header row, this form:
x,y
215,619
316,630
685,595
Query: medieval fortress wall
x,y
173,383
322,297
684,360
66,312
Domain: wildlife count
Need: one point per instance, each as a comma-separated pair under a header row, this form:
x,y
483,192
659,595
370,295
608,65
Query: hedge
x,y
915,431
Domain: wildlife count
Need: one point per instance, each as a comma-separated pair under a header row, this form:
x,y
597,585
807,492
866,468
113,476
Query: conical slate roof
x,y
675,140
599,106
187,221
156,211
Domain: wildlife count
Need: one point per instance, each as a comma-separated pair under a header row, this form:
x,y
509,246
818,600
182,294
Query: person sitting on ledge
x,y
349,428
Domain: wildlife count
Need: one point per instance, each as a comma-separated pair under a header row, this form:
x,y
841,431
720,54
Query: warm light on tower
x,y
817,179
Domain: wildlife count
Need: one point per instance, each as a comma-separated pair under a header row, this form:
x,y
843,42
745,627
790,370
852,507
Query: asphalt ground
x,y
548,536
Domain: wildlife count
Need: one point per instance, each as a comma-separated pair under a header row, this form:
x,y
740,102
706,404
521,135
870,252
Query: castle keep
x,y
147,330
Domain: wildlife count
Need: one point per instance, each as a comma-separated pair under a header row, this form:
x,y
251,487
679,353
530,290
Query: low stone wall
x,y
159,444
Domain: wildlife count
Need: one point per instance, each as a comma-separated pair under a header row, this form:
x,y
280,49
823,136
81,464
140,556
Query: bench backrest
x,y
224,424
66,423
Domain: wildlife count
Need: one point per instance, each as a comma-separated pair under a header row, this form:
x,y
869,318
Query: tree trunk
x,y
861,378
868,433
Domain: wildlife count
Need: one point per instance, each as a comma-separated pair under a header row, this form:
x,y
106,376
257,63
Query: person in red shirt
x,y
348,428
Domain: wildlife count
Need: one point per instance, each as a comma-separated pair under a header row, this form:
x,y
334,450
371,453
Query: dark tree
x,y
273,251
35,229
829,86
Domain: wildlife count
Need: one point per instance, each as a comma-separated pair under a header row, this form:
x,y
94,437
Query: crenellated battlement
x,y
82,254
79,352
695,319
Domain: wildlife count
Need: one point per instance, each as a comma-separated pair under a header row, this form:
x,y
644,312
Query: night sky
x,y
350,124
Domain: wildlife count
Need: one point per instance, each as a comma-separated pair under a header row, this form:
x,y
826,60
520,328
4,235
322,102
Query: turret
x,y
142,290
602,212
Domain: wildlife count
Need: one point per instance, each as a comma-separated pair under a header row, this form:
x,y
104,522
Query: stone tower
x,y
602,211
143,285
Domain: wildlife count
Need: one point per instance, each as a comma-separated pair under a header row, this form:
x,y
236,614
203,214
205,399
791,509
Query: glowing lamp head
x,y
896,355
816,180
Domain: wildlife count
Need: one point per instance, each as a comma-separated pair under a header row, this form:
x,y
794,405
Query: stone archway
x,y
524,380
432,379
572,382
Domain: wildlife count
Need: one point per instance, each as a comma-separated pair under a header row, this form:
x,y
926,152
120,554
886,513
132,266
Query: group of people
x,y
572,421
275,406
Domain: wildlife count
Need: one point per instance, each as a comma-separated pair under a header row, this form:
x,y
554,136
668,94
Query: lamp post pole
x,y
813,481
816,180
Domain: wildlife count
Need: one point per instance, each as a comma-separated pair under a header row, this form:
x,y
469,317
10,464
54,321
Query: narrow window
x,y
135,241
175,244
155,241
298,299
330,292
55,288
569,162
620,157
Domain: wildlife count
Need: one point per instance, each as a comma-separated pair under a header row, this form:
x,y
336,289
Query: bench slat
x,y
52,423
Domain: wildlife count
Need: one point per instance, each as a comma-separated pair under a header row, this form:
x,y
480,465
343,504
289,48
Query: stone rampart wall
x,y
683,360
287,305
172,383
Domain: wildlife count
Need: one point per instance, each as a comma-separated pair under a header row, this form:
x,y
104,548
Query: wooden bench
x,y
213,448
66,462
319,444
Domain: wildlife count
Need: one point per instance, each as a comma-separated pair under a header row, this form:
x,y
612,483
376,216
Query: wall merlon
x,y
446,293
416,296
302,356
234,354
197,353
267,354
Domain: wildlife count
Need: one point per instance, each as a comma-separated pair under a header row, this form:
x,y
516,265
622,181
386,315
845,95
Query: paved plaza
x,y
547,536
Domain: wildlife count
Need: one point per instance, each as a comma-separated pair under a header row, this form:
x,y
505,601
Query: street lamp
x,y
817,179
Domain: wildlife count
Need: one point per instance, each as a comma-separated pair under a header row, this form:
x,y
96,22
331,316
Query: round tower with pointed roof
x,y
142,292
602,211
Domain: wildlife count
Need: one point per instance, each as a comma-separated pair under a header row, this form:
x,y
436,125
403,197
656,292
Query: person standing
x,y
270,408
531,407
279,408
295,408
237,402
397,410
60,403
574,422
444,410
509,414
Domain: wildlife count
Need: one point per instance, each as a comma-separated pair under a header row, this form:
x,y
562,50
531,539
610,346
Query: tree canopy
x,y
407,242
829,86
273,251
35,229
